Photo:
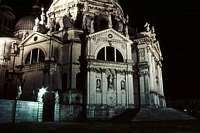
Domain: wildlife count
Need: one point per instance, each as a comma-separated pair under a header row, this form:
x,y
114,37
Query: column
x,y
115,87
147,88
57,112
104,88
127,89
88,87
144,89
142,95
130,89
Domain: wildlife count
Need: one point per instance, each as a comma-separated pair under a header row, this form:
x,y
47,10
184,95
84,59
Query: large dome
x,y
25,23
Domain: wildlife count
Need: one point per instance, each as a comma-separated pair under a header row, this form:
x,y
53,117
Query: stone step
x,y
159,114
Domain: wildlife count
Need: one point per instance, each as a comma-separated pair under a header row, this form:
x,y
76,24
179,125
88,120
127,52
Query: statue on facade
x,y
84,19
126,27
25,35
153,30
98,84
110,82
123,85
153,33
51,23
92,26
85,6
19,92
127,19
41,93
110,21
57,98
67,22
147,27
36,26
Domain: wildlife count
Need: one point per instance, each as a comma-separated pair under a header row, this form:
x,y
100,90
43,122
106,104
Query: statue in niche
x,y
110,82
98,84
19,92
123,85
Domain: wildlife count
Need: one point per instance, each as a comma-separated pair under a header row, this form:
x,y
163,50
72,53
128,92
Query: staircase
x,y
126,116
160,114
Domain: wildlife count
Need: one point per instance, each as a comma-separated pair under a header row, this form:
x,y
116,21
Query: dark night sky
x,y
177,25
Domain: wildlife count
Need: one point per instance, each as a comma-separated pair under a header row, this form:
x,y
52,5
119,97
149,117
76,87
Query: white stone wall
x,y
109,95
151,83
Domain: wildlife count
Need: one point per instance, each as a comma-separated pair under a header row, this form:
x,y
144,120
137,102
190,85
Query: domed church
x,y
80,53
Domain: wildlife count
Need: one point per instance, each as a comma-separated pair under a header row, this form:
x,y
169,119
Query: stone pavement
x,y
192,126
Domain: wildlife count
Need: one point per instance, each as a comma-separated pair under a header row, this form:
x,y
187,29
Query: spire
x,y
43,16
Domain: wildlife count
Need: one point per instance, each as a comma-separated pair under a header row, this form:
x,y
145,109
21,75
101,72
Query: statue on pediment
x,y
37,24
147,27
51,23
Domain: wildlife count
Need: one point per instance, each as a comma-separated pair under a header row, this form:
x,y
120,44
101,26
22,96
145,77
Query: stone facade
x,y
79,53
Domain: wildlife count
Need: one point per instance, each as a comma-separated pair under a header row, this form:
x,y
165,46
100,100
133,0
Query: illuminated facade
x,y
80,51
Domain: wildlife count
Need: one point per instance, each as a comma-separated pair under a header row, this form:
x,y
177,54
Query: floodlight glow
x,y
41,92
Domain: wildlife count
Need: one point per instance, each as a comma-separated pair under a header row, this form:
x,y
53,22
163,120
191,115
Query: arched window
x,y
110,54
119,56
101,54
35,56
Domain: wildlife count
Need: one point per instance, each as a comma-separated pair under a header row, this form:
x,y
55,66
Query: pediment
x,y
110,35
35,37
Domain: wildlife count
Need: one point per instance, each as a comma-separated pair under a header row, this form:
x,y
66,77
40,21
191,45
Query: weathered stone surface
x,y
82,53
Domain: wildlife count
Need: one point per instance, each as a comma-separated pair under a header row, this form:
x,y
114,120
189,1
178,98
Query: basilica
x,y
80,52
